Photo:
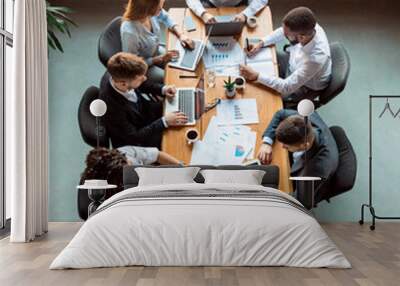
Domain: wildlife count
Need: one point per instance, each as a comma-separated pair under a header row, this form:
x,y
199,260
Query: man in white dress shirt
x,y
305,69
198,7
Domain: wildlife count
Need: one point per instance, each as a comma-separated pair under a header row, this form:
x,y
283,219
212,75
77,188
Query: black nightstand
x,y
308,183
96,195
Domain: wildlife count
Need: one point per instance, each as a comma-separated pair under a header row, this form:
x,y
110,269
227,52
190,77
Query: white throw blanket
x,y
269,228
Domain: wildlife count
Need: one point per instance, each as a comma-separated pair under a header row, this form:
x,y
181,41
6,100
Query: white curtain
x,y
27,123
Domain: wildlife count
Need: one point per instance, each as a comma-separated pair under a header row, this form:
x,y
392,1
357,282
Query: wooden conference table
x,y
268,101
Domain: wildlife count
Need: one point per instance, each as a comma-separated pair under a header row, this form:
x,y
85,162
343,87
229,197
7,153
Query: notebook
x,y
262,62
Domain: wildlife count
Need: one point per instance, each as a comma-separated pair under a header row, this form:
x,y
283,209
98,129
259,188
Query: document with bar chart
x,y
223,55
237,111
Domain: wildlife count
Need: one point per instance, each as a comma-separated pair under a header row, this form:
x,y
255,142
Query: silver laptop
x,y
188,59
225,26
224,18
187,100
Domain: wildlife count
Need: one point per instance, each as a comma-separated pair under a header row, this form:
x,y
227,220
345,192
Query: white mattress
x,y
200,231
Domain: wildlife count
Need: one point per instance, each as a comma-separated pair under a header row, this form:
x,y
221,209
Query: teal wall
x,y
369,30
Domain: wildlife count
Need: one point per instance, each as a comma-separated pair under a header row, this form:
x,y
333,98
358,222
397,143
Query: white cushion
x,y
166,176
248,177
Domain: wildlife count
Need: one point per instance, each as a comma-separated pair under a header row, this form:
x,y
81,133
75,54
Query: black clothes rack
x,y
370,203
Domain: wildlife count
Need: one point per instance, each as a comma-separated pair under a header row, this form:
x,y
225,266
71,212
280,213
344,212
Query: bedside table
x,y
96,195
308,185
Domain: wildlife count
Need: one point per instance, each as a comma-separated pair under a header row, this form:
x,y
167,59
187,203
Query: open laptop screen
x,y
224,28
200,98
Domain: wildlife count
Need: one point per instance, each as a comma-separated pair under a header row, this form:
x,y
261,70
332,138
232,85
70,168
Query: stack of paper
x,y
224,145
261,62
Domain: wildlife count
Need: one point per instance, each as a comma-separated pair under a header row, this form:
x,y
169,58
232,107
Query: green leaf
x,y
60,9
56,41
67,31
51,43
62,16
54,23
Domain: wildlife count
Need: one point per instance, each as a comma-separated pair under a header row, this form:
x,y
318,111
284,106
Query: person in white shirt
x,y
198,7
306,69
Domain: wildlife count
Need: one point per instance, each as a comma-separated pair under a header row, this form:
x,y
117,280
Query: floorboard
x,y
374,255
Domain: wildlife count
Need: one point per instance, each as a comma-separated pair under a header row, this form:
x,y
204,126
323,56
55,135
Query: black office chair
x,y
345,175
340,74
87,122
110,41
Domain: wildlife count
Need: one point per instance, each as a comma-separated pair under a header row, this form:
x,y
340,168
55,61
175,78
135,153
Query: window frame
x,y
6,39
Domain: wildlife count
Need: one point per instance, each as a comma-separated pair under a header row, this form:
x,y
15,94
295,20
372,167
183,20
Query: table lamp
x,y
98,108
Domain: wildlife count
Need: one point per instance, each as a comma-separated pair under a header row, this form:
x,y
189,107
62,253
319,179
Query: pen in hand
x,y
247,44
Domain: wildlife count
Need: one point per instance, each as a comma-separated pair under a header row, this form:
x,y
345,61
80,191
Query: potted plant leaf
x,y
229,86
57,21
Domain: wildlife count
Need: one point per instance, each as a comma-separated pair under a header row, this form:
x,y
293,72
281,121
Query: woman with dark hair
x,y
141,33
107,164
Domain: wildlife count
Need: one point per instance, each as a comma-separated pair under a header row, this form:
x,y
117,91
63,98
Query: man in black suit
x,y
320,149
134,117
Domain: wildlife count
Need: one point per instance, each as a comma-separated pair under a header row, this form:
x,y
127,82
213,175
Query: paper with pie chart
x,y
224,145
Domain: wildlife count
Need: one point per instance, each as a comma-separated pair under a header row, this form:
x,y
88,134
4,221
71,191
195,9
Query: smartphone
x,y
189,24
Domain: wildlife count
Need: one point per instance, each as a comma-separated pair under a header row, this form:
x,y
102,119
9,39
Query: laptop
x,y
188,59
189,100
224,18
225,26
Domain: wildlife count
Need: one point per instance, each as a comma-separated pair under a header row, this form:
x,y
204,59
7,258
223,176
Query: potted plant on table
x,y
229,86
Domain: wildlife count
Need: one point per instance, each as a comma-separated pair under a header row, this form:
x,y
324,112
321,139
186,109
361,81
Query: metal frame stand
x,y
370,203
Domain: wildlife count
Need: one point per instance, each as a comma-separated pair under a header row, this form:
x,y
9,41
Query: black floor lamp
x,y
305,108
98,108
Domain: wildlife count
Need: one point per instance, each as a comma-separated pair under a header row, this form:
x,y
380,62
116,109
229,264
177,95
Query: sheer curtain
x,y
27,123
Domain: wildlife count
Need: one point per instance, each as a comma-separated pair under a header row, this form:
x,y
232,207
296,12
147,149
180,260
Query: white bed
x,y
267,229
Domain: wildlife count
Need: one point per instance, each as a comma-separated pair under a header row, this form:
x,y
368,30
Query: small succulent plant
x,y
229,85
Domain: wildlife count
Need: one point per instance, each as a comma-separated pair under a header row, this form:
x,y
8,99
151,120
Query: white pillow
x,y
166,176
248,177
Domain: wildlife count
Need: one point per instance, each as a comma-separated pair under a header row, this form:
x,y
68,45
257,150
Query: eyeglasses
x,y
212,104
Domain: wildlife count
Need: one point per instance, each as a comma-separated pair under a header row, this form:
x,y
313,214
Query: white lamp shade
x,y
98,107
305,107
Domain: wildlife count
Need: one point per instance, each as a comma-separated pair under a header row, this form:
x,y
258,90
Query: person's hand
x,y
176,118
248,73
208,18
240,18
169,91
186,42
169,55
253,49
265,154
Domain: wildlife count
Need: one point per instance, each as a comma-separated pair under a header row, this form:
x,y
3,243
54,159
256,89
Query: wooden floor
x,y
375,257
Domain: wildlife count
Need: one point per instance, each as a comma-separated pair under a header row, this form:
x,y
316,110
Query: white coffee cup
x,y
240,82
252,22
192,135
